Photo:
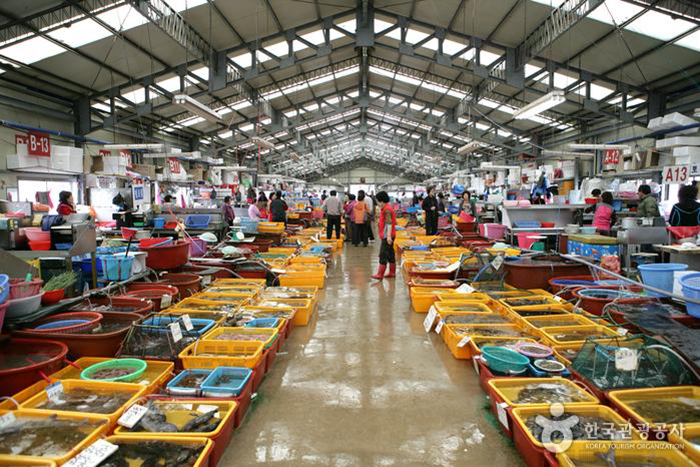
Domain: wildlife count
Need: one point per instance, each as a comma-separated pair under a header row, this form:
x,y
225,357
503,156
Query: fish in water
x,y
154,421
153,453
609,460
200,421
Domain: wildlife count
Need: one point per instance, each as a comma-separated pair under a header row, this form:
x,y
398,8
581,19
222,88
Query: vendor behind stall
x,y
66,206
227,209
604,213
648,207
595,194
686,212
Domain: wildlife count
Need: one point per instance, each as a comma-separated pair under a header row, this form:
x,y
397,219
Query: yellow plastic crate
x,y
94,387
206,443
308,260
200,314
624,397
561,352
477,342
215,333
180,416
463,307
97,427
452,338
510,302
535,323
689,449
302,279
278,250
259,282
189,304
232,298
257,312
550,333
509,388
304,308
609,416
157,372
246,289
213,354
628,453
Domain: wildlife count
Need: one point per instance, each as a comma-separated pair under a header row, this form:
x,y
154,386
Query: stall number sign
x,y
612,157
38,144
21,140
125,158
676,174
174,165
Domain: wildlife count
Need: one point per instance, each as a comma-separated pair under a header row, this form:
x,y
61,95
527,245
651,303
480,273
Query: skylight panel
x,y
32,50
226,134
202,72
620,11
659,26
122,18
136,96
170,84
350,26
80,33
244,61
191,121
691,41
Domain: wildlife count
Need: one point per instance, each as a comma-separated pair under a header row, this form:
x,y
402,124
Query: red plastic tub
x,y
138,286
259,373
54,296
91,344
187,284
117,304
555,288
596,305
162,296
169,256
19,288
40,245
23,362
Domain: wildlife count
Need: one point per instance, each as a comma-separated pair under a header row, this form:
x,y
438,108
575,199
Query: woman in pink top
x,y
604,213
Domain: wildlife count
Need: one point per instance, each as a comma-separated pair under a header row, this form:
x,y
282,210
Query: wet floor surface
x,y
363,385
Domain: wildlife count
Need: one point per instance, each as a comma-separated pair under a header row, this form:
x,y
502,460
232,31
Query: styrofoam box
x,y
678,141
63,159
113,165
686,151
678,119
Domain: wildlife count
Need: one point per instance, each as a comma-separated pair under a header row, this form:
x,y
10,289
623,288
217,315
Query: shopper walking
x,y
229,214
430,206
349,221
370,218
278,209
332,208
387,234
360,216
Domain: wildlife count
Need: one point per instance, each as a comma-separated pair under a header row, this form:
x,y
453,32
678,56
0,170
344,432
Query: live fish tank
x,y
519,392
184,417
576,334
226,382
155,339
154,452
476,318
187,383
541,310
50,436
507,342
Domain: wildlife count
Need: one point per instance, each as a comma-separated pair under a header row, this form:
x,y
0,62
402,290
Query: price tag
x,y
132,416
165,301
54,392
626,359
439,326
93,455
502,414
497,262
430,319
452,267
176,331
464,341
465,289
475,362
7,419
278,271
187,322
206,280
208,408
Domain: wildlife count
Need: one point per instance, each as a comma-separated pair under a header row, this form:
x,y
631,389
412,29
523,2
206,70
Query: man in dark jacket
x,y
278,208
430,206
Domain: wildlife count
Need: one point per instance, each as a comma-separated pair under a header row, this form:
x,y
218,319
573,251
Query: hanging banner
x,y
38,144
612,156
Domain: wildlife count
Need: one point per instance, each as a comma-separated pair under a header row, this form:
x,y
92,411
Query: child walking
x,y
387,233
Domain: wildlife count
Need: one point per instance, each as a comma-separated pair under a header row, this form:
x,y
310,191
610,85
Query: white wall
x,y
371,176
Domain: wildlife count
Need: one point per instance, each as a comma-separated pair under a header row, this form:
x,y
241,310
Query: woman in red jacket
x,y
387,233
66,206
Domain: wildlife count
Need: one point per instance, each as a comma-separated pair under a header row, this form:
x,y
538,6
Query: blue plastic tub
x,y
63,246
173,386
527,224
117,268
263,323
239,377
4,288
159,222
504,360
660,276
690,284
201,326
62,324
412,210
197,221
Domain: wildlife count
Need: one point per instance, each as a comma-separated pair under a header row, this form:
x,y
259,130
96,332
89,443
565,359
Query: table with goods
x,y
555,341
162,366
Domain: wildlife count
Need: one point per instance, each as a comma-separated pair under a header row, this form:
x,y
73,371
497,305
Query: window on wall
x,y
29,188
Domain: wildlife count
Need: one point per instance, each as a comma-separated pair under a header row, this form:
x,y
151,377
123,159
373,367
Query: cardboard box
x,y
145,170
197,174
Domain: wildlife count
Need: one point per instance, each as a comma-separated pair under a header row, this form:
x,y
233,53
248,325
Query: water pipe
x,y
19,126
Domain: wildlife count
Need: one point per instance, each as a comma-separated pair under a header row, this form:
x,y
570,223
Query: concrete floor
x,y
364,385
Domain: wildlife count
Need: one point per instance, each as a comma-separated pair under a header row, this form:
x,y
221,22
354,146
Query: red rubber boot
x,y
380,272
392,271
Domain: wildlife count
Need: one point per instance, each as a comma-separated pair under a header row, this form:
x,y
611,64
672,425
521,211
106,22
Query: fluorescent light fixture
x,y
262,142
545,102
196,107
148,147
600,147
550,152
467,148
